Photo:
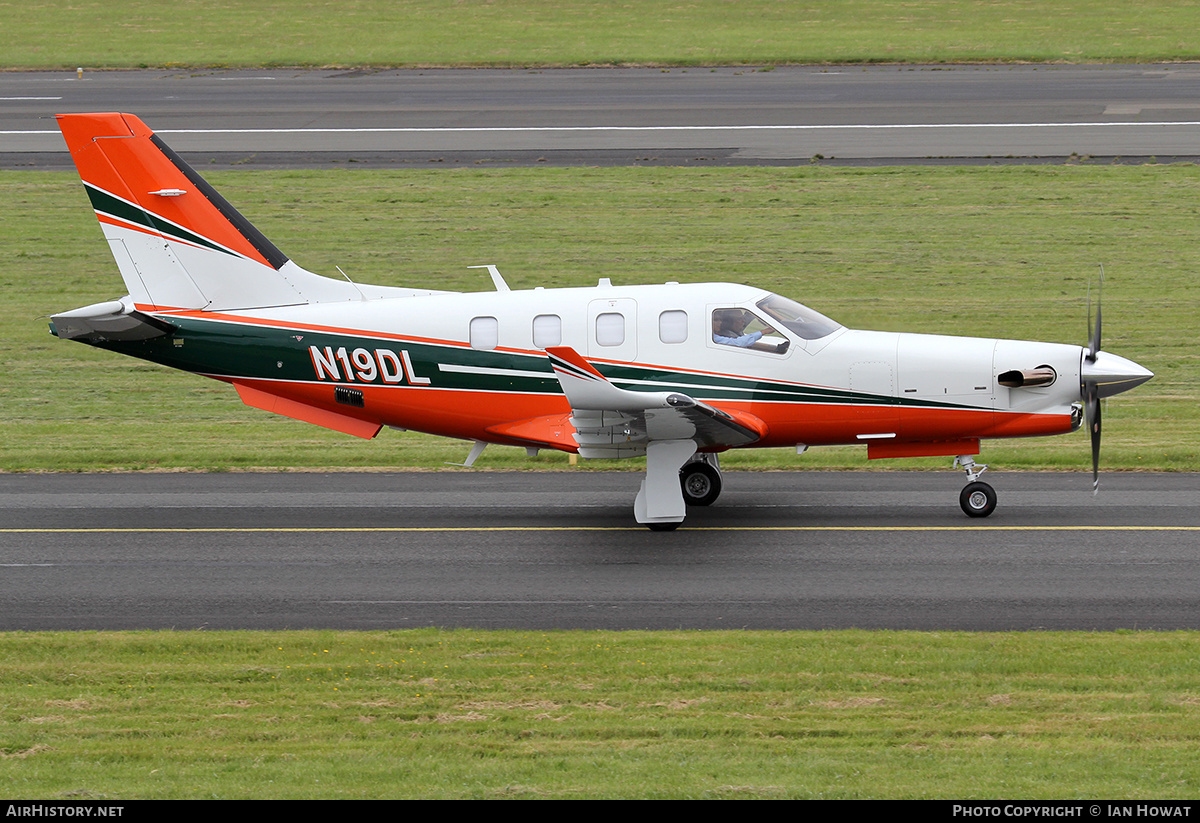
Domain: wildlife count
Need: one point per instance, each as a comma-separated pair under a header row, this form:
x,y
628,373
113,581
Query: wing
x,y
668,427
613,422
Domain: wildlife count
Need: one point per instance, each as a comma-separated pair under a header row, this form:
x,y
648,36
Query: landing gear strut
x,y
977,499
659,503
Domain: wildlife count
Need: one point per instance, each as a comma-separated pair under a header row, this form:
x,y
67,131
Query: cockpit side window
x,y
746,330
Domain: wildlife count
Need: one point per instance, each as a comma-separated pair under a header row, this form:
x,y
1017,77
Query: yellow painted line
x,y
402,529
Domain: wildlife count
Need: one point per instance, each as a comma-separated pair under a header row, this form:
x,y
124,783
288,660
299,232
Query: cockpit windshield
x,y
802,320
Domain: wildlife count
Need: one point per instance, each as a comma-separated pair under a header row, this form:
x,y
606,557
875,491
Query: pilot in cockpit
x,y
729,329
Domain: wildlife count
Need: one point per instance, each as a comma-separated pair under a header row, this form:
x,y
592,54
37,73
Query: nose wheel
x,y
977,499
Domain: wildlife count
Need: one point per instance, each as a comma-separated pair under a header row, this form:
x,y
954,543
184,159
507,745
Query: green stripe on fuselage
x,y
234,349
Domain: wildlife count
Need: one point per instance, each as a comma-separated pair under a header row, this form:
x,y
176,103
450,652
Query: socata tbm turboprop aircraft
x,y
676,372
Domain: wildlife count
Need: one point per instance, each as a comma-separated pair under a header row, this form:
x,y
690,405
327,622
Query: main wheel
x,y
977,499
701,484
662,527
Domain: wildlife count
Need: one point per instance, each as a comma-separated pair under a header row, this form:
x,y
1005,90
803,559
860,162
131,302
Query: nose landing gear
x,y
977,499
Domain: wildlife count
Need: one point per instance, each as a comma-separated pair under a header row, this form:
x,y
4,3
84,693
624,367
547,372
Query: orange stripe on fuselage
x,y
461,413
825,424
468,415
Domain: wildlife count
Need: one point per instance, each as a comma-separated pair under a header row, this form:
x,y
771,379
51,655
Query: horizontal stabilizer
x,y
111,320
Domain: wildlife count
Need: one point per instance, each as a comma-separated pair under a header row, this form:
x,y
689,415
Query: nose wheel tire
x,y
701,484
977,499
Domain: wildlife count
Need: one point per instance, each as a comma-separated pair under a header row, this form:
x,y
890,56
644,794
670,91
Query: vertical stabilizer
x,y
179,244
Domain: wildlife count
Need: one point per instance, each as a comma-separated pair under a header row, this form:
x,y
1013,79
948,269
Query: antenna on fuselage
x,y
351,282
497,278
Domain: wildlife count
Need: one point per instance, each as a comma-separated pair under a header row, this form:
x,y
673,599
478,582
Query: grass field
x,y
497,714
1002,251
210,33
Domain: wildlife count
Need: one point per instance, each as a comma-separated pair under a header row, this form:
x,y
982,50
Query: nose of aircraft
x,y
1112,374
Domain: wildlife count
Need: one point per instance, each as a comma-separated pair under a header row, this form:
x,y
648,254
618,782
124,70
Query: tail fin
x,y
179,244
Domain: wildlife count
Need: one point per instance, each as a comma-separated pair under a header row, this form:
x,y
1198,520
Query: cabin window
x,y
610,329
485,332
547,330
672,326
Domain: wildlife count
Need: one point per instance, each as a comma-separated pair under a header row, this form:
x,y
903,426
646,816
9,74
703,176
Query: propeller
x,y
1091,388
1101,375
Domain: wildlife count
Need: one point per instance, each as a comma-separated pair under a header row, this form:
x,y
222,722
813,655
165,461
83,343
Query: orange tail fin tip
x,y
193,249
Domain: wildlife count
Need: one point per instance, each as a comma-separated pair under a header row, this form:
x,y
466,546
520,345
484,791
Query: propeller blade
x,y
1092,409
1094,330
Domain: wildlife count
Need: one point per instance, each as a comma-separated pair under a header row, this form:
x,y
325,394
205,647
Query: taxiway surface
x,y
560,550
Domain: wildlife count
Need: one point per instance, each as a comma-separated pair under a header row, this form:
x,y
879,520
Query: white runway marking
x,y
547,129
795,127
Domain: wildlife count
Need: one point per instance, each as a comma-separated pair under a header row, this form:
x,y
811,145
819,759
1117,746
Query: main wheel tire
x,y
977,499
662,527
701,484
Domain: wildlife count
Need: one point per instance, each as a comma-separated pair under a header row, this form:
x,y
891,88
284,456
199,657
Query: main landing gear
x,y
701,480
977,499
676,477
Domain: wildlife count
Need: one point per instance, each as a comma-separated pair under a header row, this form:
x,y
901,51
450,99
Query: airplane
x,y
677,373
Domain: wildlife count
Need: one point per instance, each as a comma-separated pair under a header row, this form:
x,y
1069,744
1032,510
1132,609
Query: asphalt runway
x,y
700,116
793,550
